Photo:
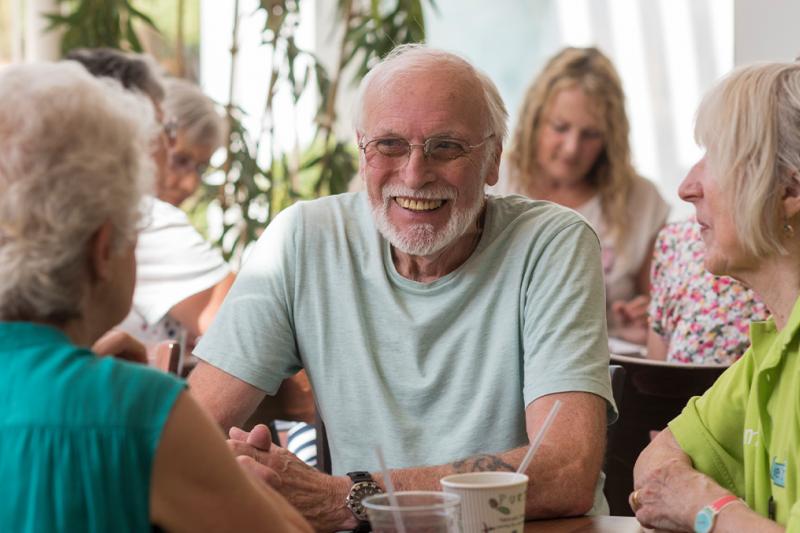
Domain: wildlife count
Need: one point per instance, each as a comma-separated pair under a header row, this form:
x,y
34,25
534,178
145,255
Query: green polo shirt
x,y
744,430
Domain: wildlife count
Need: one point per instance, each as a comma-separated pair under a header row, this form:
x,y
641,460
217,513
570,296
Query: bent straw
x,y
387,480
537,441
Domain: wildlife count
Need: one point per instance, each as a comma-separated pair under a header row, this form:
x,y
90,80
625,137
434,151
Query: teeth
x,y
418,205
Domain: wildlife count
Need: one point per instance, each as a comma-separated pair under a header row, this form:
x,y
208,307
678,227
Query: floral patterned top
x,y
703,318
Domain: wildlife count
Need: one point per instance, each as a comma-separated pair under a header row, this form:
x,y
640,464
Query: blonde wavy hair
x,y
612,174
749,124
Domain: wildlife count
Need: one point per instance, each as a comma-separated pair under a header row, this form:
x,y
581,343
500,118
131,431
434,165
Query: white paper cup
x,y
417,511
490,501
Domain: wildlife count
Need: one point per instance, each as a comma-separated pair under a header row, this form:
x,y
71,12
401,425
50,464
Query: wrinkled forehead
x,y
426,99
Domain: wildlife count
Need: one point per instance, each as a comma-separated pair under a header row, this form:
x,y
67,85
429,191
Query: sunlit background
x,y
668,52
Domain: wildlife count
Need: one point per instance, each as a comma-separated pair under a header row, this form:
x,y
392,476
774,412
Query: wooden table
x,y
586,524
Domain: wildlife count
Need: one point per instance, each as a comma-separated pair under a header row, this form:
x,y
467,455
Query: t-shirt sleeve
x,y
710,430
564,332
174,262
252,336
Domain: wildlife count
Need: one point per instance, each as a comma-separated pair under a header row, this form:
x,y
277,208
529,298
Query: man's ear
x,y
493,172
100,252
791,197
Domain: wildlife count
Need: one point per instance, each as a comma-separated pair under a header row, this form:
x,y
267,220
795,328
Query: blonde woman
x,y
571,147
740,439
90,443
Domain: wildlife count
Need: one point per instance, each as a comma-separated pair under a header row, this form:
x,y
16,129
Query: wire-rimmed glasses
x,y
392,153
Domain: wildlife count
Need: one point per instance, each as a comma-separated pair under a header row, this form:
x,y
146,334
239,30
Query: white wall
x,y
766,30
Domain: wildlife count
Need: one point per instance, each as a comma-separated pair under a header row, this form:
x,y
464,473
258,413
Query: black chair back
x,y
655,392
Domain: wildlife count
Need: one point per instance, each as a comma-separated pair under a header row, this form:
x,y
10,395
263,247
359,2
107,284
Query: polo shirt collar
x,y
768,343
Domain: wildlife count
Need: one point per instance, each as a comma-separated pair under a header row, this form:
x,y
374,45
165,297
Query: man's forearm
x,y
563,486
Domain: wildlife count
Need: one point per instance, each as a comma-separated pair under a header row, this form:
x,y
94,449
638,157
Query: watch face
x,y
704,520
358,492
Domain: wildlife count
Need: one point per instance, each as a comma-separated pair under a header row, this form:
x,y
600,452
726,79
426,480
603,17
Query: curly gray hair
x,y
75,155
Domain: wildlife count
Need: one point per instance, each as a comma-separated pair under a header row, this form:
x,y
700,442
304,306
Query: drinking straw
x,y
387,480
537,441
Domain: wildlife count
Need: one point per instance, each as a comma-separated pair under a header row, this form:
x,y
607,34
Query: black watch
x,y
363,486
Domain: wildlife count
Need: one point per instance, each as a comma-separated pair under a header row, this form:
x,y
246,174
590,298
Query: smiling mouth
x,y
416,204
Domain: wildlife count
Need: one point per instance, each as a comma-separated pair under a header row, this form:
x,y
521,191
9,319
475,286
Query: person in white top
x,y
571,147
180,279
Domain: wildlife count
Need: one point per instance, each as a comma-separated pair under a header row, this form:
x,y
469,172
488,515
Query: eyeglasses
x,y
184,164
392,153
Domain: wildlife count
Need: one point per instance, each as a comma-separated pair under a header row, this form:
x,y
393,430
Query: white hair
x,y
194,113
418,57
75,156
749,124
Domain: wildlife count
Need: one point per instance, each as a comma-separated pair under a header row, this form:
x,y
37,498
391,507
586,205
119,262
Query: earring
x,y
788,229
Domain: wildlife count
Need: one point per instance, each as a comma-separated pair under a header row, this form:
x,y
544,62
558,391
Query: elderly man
x,y
433,321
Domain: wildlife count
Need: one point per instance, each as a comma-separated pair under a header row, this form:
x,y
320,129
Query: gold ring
x,y
635,500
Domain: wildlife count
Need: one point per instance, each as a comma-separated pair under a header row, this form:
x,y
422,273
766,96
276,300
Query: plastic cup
x,y
417,511
490,501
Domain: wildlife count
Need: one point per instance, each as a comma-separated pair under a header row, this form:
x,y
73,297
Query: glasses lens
x,y
444,149
386,153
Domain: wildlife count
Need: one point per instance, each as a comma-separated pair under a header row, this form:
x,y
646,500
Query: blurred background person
x,y
199,130
571,147
90,443
181,280
695,316
739,440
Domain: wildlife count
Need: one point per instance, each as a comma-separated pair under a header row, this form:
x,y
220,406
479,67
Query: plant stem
x,y
223,201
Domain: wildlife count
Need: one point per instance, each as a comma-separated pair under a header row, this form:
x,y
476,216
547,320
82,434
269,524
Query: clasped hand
x,y
308,489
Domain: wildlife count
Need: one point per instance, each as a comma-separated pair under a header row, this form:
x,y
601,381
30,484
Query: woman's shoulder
x,y
644,193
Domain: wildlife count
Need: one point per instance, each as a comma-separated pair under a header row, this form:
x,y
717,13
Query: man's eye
x,y
392,147
445,148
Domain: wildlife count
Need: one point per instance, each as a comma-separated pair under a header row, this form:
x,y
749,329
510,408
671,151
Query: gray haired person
x,y
199,130
90,443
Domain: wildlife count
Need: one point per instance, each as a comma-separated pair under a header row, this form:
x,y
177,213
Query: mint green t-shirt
x,y
78,434
744,432
432,372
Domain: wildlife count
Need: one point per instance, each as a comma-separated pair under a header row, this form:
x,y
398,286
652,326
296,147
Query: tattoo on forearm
x,y
481,463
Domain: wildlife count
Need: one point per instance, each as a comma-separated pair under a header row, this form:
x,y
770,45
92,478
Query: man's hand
x,y
319,497
121,345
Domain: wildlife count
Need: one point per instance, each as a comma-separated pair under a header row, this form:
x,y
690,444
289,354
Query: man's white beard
x,y
422,239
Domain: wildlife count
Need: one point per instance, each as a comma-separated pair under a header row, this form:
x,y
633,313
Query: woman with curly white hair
x,y
729,462
90,443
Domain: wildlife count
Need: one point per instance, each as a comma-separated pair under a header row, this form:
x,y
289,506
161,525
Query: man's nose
x,y
418,170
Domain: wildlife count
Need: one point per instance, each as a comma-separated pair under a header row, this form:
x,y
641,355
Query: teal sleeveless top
x,y
78,434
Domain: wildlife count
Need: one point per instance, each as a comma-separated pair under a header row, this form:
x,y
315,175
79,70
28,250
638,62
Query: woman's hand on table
x,y
630,319
119,344
670,496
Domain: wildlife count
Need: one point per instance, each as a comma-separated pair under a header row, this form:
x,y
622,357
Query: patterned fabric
x,y
703,318
302,441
